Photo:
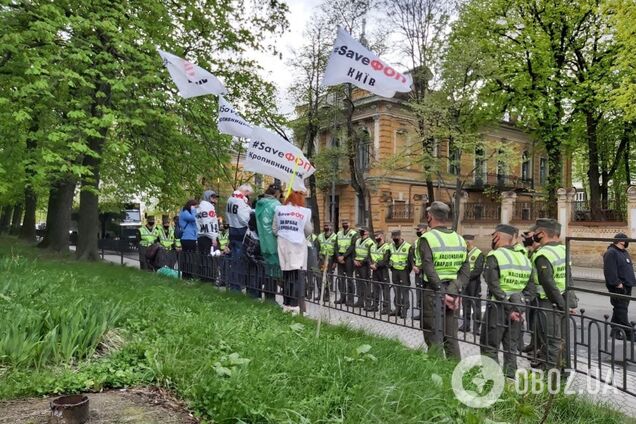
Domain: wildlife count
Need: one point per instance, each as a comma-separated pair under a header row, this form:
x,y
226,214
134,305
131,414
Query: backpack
x,y
178,231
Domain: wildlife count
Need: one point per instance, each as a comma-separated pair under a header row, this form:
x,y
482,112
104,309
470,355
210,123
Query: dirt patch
x,y
134,406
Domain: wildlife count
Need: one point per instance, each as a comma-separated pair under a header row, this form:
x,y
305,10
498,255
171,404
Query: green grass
x,y
231,359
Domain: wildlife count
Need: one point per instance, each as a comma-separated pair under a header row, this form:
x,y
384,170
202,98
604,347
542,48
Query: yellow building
x,y
394,169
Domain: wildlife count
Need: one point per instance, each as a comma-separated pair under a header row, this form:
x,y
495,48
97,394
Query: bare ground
x,y
132,406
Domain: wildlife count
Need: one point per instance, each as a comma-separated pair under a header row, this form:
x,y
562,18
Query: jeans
x,y
239,261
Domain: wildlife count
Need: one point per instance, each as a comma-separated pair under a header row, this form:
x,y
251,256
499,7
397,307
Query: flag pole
x,y
238,156
322,294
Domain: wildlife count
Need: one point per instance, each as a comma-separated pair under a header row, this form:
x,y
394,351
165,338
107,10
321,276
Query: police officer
x,y
446,272
417,268
508,273
549,263
473,289
401,266
362,264
346,243
326,250
224,239
380,260
146,236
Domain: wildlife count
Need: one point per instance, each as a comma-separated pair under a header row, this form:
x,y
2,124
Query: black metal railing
x,y
482,211
608,212
582,343
531,211
400,212
500,181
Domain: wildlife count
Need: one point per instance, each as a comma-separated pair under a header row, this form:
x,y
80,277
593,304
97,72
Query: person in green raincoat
x,y
265,209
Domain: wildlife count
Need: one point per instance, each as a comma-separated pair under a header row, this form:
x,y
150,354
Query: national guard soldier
x,y
224,239
326,250
147,236
362,264
401,266
346,243
168,242
380,260
550,267
417,269
472,307
508,273
446,272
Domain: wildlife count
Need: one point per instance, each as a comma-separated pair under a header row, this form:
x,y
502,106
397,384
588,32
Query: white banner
x,y
270,154
351,62
191,80
230,122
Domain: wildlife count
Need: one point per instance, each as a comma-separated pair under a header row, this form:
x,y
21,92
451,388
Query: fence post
x,y
463,198
631,210
508,199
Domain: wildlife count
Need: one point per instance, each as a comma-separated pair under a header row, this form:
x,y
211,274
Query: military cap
x,y
150,218
378,232
422,226
547,224
439,206
469,237
396,233
506,229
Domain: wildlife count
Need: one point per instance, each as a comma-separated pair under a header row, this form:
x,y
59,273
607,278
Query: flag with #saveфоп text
x,y
272,155
191,80
230,122
351,62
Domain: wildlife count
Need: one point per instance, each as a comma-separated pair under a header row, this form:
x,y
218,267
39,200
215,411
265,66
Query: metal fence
x,y
482,211
612,211
530,211
546,337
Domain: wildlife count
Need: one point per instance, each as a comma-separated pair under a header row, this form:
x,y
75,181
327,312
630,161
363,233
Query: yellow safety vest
x,y
449,253
473,255
224,240
344,240
327,244
378,252
515,269
400,256
148,237
363,248
416,253
166,240
556,256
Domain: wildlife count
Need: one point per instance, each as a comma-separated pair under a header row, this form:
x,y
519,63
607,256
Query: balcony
x,y
400,212
500,181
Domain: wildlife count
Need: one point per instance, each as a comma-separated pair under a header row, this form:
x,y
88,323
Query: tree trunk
x,y
553,147
58,216
456,202
5,218
315,210
88,228
369,212
27,232
628,176
16,220
593,174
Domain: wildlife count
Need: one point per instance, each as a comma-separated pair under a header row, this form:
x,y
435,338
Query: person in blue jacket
x,y
188,224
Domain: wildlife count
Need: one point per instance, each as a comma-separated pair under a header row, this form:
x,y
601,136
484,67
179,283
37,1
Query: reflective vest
x,y
327,244
363,248
148,237
224,240
473,255
344,240
311,238
520,248
416,253
166,240
449,253
515,269
400,256
378,252
556,256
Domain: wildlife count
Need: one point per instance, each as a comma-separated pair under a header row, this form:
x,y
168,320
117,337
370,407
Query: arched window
x,y
525,166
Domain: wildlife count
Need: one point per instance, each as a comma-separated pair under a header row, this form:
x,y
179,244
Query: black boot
x,y
465,327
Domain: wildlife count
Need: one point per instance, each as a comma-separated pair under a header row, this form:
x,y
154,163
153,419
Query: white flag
x,y
351,62
191,80
272,155
230,122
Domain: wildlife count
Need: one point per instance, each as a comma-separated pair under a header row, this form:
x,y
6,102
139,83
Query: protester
x,y
252,251
238,215
265,210
207,223
619,279
292,225
188,225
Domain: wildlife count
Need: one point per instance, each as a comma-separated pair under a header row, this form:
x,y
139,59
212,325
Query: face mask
x,y
378,239
363,235
326,230
396,241
626,244
528,241
345,227
536,238
418,233
167,227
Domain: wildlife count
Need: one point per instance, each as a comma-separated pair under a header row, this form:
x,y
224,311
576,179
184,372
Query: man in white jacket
x,y
238,212
207,223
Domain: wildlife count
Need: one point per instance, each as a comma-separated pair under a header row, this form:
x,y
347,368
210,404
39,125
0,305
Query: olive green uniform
x,y
363,270
326,249
381,256
345,246
401,265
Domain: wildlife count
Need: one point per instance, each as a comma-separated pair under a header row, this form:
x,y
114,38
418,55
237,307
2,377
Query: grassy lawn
x,y
71,327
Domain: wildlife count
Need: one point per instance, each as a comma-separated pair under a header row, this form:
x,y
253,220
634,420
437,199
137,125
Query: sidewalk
x,y
588,274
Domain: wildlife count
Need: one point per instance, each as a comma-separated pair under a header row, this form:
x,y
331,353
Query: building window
x,y
361,212
501,168
364,152
480,165
543,171
525,166
454,156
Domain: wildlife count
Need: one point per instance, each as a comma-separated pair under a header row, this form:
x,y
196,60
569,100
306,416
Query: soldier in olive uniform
x,y
146,236
362,264
472,307
417,269
401,266
343,257
326,249
380,260
446,272
508,273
